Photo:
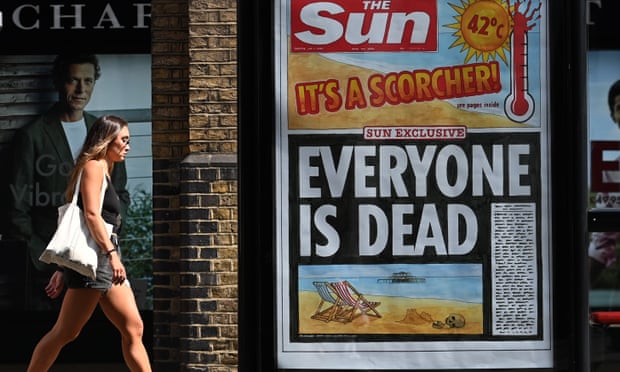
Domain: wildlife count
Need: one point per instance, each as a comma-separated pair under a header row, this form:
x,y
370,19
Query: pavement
x,y
102,367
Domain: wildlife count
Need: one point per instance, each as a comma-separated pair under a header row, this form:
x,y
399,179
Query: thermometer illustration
x,y
519,104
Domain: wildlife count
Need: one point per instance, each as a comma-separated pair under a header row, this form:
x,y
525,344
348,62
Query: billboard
x,y
31,36
412,192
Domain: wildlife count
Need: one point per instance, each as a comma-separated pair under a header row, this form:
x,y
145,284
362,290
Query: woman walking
x,y
106,143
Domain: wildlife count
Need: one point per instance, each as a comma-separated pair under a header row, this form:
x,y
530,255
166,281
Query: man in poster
x,y
43,155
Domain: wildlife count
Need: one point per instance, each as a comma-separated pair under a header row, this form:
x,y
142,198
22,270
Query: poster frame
x,y
257,270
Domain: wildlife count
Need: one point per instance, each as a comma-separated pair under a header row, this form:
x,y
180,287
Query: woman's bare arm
x,y
92,180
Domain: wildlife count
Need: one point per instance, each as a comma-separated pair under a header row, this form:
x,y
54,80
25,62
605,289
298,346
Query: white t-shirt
x,y
75,131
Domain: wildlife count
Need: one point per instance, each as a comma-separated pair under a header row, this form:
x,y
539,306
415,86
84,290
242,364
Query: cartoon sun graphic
x,y
482,29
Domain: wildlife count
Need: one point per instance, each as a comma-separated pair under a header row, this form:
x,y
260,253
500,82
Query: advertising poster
x,y
603,98
412,185
32,35
604,180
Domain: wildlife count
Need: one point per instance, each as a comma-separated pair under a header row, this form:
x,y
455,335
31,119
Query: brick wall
x,y
194,185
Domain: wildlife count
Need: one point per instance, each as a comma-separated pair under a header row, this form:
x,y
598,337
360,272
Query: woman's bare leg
x,y
77,307
119,305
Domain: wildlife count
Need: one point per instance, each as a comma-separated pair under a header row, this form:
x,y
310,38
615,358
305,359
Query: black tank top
x,y
111,209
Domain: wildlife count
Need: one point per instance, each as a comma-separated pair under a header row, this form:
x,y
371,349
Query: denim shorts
x,y
103,278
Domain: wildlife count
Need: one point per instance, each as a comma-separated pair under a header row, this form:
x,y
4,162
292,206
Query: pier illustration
x,y
402,277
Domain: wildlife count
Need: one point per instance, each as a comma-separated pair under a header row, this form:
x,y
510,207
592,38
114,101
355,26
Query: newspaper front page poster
x,y
413,224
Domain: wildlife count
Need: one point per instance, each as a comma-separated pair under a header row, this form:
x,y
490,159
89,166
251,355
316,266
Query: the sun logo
x,y
482,29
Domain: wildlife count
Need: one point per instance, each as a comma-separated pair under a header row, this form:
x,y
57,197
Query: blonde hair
x,y
103,132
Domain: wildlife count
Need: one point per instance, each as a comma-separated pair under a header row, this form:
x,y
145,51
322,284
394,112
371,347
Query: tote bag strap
x,y
77,189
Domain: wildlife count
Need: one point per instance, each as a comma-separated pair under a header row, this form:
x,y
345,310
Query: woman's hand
x,y
56,285
118,269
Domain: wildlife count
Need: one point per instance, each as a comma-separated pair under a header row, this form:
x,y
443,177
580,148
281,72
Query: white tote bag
x,y
72,245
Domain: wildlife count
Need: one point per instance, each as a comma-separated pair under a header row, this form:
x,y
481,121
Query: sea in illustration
x,y
461,282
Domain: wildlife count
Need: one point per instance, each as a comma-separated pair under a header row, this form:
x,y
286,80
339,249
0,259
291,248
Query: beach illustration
x,y
391,299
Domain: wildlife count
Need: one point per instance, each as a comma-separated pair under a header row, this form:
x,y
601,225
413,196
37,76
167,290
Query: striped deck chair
x,y
328,299
354,301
